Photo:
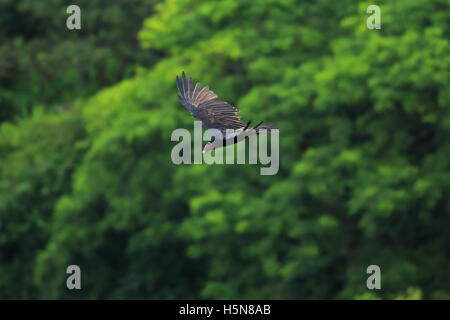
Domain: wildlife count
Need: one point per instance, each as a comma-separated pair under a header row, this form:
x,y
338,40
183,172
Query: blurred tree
x,y
364,176
43,64
37,159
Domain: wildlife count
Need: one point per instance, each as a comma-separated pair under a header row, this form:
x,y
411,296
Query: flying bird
x,y
214,113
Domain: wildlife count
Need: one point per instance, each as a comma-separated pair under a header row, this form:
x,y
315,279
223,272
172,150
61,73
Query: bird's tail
x,y
258,127
267,127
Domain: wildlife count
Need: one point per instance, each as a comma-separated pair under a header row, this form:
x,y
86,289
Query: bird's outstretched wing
x,y
207,107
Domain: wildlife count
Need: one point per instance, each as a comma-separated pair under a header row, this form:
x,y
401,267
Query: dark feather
x,y
205,106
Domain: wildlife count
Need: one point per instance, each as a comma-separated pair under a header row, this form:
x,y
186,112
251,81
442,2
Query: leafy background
x,y
85,171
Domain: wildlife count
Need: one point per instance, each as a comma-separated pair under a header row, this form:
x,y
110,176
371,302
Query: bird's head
x,y
210,145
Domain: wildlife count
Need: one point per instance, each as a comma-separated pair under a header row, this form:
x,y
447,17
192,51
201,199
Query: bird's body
x,y
216,114
234,136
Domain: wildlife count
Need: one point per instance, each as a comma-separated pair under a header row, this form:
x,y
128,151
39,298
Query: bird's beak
x,y
207,147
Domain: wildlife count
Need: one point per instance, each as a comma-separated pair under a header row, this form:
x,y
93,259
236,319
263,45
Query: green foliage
x,y
38,159
43,64
364,178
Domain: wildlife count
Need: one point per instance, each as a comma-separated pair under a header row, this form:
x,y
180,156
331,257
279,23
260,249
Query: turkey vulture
x,y
214,113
